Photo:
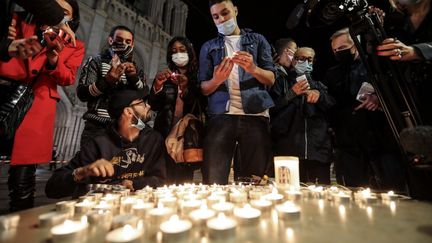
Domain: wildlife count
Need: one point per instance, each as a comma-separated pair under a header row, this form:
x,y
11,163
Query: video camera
x,y
395,93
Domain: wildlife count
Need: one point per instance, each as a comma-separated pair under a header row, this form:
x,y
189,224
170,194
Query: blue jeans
x,y
252,133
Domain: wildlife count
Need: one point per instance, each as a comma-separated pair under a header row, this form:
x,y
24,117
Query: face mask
x,y
140,125
303,67
124,51
227,27
181,59
408,2
345,56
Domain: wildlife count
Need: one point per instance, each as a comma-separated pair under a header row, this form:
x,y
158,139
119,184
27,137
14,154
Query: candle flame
x,y
84,219
127,231
174,218
391,193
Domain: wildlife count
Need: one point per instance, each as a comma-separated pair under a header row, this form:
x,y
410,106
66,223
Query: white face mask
x,y
140,125
227,27
181,59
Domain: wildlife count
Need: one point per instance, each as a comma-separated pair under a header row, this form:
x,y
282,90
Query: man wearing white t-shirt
x,y
235,71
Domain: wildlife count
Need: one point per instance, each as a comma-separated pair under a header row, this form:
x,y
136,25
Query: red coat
x,y
33,142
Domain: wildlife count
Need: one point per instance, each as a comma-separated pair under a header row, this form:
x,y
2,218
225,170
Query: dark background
x,y
269,19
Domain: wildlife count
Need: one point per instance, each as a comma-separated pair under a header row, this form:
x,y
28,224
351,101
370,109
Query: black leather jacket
x,y
164,103
94,90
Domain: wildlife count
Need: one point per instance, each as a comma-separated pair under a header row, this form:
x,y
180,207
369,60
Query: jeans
x,y
252,136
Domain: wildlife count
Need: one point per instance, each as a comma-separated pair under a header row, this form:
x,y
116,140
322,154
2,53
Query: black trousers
x,y
21,183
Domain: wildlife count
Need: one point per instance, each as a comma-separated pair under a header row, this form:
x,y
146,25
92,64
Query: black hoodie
x,y
141,161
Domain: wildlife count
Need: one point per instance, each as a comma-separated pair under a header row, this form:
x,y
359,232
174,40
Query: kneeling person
x,y
129,154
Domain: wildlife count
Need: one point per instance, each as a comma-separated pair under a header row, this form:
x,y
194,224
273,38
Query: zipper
x,y
306,140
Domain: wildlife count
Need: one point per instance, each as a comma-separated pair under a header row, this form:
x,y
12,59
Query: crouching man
x,y
129,154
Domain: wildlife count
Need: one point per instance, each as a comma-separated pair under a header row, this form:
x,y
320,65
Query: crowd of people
x,y
256,100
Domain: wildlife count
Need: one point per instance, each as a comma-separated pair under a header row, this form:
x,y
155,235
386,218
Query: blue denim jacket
x,y
255,98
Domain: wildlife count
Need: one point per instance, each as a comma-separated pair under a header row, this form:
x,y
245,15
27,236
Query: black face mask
x,y
345,56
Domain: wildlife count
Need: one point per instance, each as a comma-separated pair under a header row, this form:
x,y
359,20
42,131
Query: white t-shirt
x,y
235,106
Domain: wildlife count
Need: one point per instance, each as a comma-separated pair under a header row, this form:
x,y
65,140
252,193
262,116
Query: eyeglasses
x,y
139,103
303,58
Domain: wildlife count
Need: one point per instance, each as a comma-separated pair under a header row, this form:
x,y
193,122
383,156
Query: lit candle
x,y
126,205
124,219
288,210
100,218
70,231
213,198
125,234
341,197
247,215
103,205
255,194
238,197
189,206
202,215
262,204
293,195
83,207
67,207
175,229
52,218
170,202
141,208
159,214
223,207
367,196
274,197
8,222
389,196
221,226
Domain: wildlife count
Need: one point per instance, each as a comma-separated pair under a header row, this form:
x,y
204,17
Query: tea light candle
x,y
126,205
175,229
189,206
8,222
124,219
103,205
341,197
367,197
223,207
293,195
288,210
274,197
159,214
101,218
170,202
256,194
83,207
52,218
213,198
125,234
141,208
202,215
67,207
262,204
389,196
70,231
221,226
247,215
238,197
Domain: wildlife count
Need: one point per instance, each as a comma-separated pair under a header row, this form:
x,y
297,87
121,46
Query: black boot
x,y
21,182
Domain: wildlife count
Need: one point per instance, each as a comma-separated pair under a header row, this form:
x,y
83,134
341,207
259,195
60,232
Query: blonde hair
x,y
344,31
306,49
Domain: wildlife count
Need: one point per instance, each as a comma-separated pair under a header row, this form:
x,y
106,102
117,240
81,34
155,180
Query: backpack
x,y
184,143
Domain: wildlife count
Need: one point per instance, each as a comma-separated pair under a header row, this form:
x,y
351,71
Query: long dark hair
x,y
192,66
74,23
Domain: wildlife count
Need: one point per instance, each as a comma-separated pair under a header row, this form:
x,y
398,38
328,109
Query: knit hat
x,y
123,98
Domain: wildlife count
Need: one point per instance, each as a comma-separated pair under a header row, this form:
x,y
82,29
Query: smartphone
x,y
301,77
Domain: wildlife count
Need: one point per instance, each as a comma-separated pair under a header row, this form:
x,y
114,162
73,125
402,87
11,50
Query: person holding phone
x,y
299,124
